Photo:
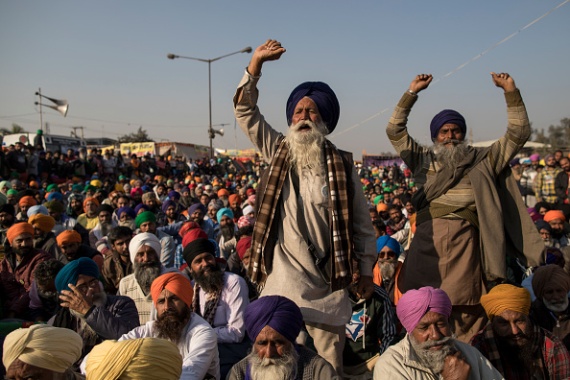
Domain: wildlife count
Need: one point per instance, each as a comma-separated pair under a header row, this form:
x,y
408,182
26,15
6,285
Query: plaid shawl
x,y
341,233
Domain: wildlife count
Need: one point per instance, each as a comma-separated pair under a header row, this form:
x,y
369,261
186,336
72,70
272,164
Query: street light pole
x,y
211,132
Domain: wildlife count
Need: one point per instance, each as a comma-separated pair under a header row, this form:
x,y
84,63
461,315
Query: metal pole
x,y
40,104
210,131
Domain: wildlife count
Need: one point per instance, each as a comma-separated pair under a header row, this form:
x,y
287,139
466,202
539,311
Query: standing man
x,y
470,212
312,219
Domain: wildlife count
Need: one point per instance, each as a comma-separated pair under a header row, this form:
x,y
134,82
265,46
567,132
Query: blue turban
x,y
224,211
280,313
447,117
70,272
323,96
166,204
173,194
55,195
141,206
195,207
392,243
130,212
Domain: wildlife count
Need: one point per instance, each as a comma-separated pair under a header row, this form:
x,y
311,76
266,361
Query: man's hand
x,y
365,287
75,300
504,81
455,367
271,50
420,82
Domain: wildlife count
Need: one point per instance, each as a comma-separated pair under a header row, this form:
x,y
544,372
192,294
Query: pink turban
x,y
414,304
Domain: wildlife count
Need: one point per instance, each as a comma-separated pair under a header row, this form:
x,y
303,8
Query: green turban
x,y
147,216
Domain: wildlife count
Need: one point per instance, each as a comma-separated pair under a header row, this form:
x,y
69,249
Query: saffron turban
x,y
143,217
279,313
224,211
242,246
187,227
28,200
197,247
193,234
223,193
323,96
234,198
414,304
553,215
506,297
135,359
195,207
71,271
447,117
380,207
90,199
549,275
390,242
142,239
18,229
37,209
67,237
43,346
44,223
166,204
129,211
175,283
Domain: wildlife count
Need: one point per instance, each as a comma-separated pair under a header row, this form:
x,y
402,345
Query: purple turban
x,y
141,206
447,117
166,204
280,313
173,194
323,96
414,304
392,243
197,206
130,212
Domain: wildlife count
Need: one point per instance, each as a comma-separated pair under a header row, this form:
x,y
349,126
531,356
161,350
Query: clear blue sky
x,y
108,59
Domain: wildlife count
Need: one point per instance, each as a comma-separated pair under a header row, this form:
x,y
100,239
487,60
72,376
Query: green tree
x,y
140,135
15,129
558,136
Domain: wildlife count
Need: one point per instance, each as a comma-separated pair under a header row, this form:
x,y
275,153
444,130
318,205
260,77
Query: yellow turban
x,y
44,222
51,348
18,229
136,359
506,297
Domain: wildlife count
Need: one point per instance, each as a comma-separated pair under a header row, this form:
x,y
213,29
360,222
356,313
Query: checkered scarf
x,y
341,233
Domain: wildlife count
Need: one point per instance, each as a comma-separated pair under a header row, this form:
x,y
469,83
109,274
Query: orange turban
x,y
550,274
234,198
175,283
43,222
506,297
68,236
553,215
223,192
18,229
28,200
92,199
381,207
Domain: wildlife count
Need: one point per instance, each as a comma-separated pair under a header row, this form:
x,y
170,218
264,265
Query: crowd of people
x,y
453,264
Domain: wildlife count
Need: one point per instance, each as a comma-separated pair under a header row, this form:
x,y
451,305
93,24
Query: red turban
x,y
186,227
175,283
190,236
68,236
18,229
553,215
28,200
242,246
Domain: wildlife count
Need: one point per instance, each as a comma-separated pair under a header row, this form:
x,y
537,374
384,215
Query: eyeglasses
x,y
386,255
83,288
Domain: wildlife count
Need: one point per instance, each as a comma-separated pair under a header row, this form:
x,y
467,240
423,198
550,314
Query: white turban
x,y
142,239
43,346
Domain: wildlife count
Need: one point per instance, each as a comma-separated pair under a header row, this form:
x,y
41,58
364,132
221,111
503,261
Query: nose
x,y
271,352
434,333
305,115
515,329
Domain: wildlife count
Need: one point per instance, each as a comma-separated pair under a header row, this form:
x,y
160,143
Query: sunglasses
x,y
386,255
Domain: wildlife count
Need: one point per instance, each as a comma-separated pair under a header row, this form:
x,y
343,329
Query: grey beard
x,y
450,156
284,367
557,307
105,228
146,274
388,269
306,148
128,223
434,360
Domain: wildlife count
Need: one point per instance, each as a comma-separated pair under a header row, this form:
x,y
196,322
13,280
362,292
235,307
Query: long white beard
x,y
557,306
388,269
450,156
306,147
284,367
433,360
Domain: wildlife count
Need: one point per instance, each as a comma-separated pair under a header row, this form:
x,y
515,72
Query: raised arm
x,y
271,50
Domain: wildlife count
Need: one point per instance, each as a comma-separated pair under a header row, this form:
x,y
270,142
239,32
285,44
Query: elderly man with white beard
x,y
312,218
272,323
144,250
469,210
387,270
429,350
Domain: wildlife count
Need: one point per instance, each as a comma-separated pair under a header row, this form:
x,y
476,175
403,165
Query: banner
x,y
139,148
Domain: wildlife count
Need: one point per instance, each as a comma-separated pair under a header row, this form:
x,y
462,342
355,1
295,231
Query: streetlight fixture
x,y
211,131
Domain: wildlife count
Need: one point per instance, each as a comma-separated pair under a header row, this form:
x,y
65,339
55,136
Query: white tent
x,y
529,144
